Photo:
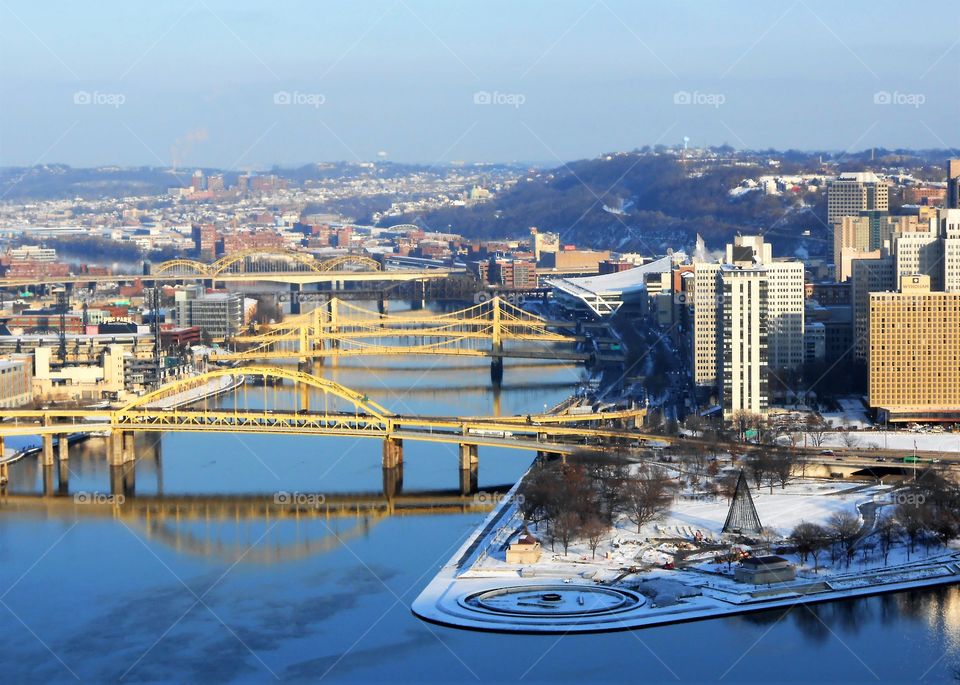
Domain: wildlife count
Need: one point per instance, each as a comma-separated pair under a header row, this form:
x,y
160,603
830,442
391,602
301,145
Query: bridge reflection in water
x,y
273,528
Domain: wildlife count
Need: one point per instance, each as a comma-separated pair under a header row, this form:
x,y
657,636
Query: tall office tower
x,y
851,238
953,184
852,193
949,220
914,362
868,275
744,338
748,319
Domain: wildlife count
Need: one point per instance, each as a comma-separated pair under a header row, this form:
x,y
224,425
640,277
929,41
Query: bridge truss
x,y
494,328
256,261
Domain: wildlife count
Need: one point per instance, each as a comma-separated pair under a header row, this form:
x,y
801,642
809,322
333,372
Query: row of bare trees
x,y
581,497
927,510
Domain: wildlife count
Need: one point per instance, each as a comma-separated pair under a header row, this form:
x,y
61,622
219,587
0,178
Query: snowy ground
x,y
852,413
893,440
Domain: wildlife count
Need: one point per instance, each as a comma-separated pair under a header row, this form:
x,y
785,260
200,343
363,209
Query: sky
x,y
243,85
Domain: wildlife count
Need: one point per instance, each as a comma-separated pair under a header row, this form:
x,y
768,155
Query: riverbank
x,y
477,590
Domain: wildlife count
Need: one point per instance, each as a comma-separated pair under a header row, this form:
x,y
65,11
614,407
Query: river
x,y
256,600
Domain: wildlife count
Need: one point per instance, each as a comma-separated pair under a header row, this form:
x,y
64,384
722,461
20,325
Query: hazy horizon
x,y
210,84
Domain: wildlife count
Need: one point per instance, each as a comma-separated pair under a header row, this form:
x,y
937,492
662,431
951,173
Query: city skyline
x,y
210,84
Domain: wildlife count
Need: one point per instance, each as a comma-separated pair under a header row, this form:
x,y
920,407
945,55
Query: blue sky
x,y
246,85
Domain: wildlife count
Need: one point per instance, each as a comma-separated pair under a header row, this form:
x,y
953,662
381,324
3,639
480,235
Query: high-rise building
x,y
748,319
868,275
205,239
852,193
914,358
953,184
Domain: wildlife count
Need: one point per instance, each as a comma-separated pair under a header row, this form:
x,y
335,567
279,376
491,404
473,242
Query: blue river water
x,y
106,599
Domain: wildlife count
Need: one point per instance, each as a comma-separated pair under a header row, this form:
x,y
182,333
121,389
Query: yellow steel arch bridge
x,y
256,261
318,407
494,328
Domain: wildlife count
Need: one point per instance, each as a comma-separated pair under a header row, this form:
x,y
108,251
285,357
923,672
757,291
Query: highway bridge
x,y
317,406
270,265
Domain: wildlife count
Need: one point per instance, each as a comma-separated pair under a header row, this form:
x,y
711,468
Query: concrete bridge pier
x,y
4,467
393,481
419,298
47,450
123,479
469,467
115,448
496,371
128,451
63,477
48,480
392,453
295,298
63,448
383,304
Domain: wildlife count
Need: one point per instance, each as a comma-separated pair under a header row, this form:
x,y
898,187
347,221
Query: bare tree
x,y
809,539
647,496
889,531
816,429
849,439
782,466
844,528
595,530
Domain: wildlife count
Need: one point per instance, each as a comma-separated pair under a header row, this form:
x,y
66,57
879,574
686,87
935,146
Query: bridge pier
x,y
469,481
4,467
47,449
419,298
496,371
115,448
382,304
129,451
48,480
63,448
63,477
295,298
469,467
123,479
392,481
392,453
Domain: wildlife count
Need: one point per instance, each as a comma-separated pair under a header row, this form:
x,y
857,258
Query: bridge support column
x,y
4,466
469,467
469,456
392,453
392,481
48,450
48,480
383,305
63,448
295,298
123,480
128,449
63,477
115,448
496,370
419,297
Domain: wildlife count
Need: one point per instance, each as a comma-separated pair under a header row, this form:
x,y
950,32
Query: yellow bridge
x,y
494,328
317,406
274,265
